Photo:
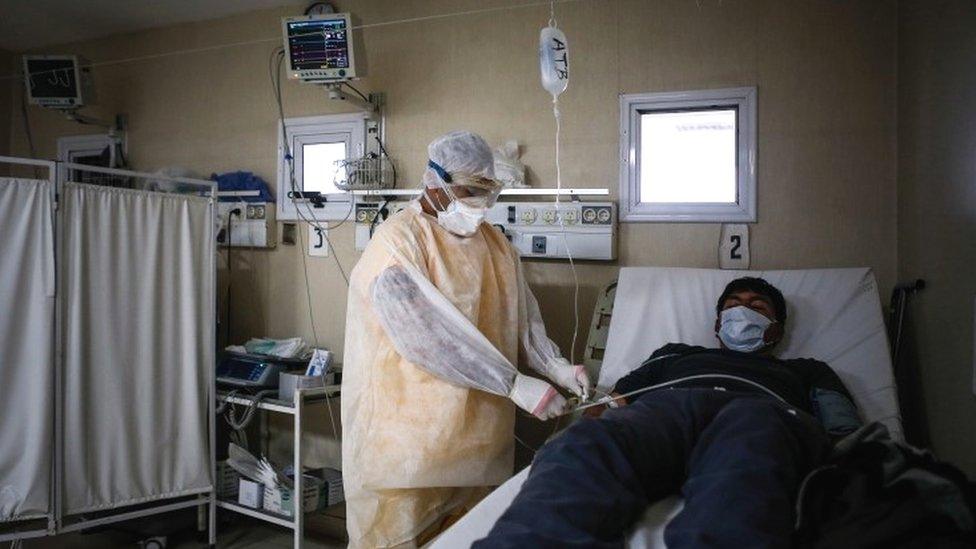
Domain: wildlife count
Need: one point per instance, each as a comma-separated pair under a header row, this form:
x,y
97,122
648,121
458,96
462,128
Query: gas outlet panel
x,y
536,229
581,230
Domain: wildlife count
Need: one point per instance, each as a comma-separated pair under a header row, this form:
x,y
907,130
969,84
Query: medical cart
x,y
303,399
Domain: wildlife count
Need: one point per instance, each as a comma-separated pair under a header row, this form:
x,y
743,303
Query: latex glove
x,y
571,377
537,397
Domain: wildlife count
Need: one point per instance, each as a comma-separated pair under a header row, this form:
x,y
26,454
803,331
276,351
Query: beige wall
x,y
825,72
937,209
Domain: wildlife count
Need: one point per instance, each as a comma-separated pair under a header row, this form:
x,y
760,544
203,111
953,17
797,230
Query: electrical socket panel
x,y
587,230
545,230
253,227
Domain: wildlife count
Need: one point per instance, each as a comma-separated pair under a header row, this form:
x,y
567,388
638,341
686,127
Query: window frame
x,y
311,130
632,106
72,148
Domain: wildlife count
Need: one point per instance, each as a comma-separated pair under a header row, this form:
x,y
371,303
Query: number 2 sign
x,y
733,251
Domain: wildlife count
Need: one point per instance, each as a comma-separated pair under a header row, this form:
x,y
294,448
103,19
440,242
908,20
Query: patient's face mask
x,y
743,329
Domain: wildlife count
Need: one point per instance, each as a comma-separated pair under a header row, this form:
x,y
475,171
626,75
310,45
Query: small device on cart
x,y
253,371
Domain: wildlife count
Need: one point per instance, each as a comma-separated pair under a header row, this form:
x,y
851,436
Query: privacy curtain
x,y
26,347
138,302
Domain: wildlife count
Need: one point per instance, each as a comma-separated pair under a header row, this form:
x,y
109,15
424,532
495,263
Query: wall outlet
x,y
289,234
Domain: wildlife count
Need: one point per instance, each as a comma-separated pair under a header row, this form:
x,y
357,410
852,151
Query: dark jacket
x,y
805,383
875,492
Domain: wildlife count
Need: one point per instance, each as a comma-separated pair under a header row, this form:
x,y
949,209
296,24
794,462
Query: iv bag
x,y
553,60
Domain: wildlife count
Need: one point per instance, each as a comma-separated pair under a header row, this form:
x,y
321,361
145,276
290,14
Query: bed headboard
x,y
834,315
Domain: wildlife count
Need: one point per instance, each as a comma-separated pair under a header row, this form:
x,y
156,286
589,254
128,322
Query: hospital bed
x,y
834,315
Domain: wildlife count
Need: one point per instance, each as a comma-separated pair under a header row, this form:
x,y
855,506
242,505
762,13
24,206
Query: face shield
x,y
474,192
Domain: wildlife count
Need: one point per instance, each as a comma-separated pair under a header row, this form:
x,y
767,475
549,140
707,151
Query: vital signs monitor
x,y
320,48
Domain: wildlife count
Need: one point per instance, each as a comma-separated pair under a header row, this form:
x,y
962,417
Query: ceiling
x,y
29,24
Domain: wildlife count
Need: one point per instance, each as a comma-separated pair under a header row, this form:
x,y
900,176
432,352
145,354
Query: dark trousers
x,y
736,458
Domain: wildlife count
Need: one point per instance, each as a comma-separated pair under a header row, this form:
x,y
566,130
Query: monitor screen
x,y
318,44
52,78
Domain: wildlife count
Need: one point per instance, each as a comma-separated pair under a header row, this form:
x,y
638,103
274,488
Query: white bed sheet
x,y
834,315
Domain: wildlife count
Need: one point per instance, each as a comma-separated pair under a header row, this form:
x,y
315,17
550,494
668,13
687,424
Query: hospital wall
x,y
937,211
826,79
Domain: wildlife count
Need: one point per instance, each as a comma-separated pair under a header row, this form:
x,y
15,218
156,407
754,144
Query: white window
x,y
316,144
688,156
99,150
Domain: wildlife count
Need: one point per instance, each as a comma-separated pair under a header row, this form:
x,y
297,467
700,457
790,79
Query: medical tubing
x,y
526,446
311,317
387,155
562,230
223,405
275,74
609,398
379,212
355,89
559,187
230,267
239,438
249,413
278,55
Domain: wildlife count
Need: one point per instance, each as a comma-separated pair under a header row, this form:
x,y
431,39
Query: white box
x,y
250,494
289,383
332,491
279,500
228,481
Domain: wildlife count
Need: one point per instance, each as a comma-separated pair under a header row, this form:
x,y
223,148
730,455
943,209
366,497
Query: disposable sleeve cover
x,y
426,329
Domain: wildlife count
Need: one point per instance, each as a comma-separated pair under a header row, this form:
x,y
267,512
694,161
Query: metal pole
x,y
202,184
212,376
59,252
29,162
298,495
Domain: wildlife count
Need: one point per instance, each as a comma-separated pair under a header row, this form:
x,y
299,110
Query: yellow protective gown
x,y
418,447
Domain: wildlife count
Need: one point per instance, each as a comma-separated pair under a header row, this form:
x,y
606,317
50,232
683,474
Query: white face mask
x,y
742,329
459,218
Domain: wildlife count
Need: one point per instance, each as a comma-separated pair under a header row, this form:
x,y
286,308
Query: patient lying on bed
x,y
733,429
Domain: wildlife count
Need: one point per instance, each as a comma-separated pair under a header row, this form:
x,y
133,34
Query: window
x,y
316,144
320,169
688,156
99,150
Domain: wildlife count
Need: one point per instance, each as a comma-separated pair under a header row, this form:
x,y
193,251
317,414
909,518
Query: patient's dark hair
x,y
761,287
